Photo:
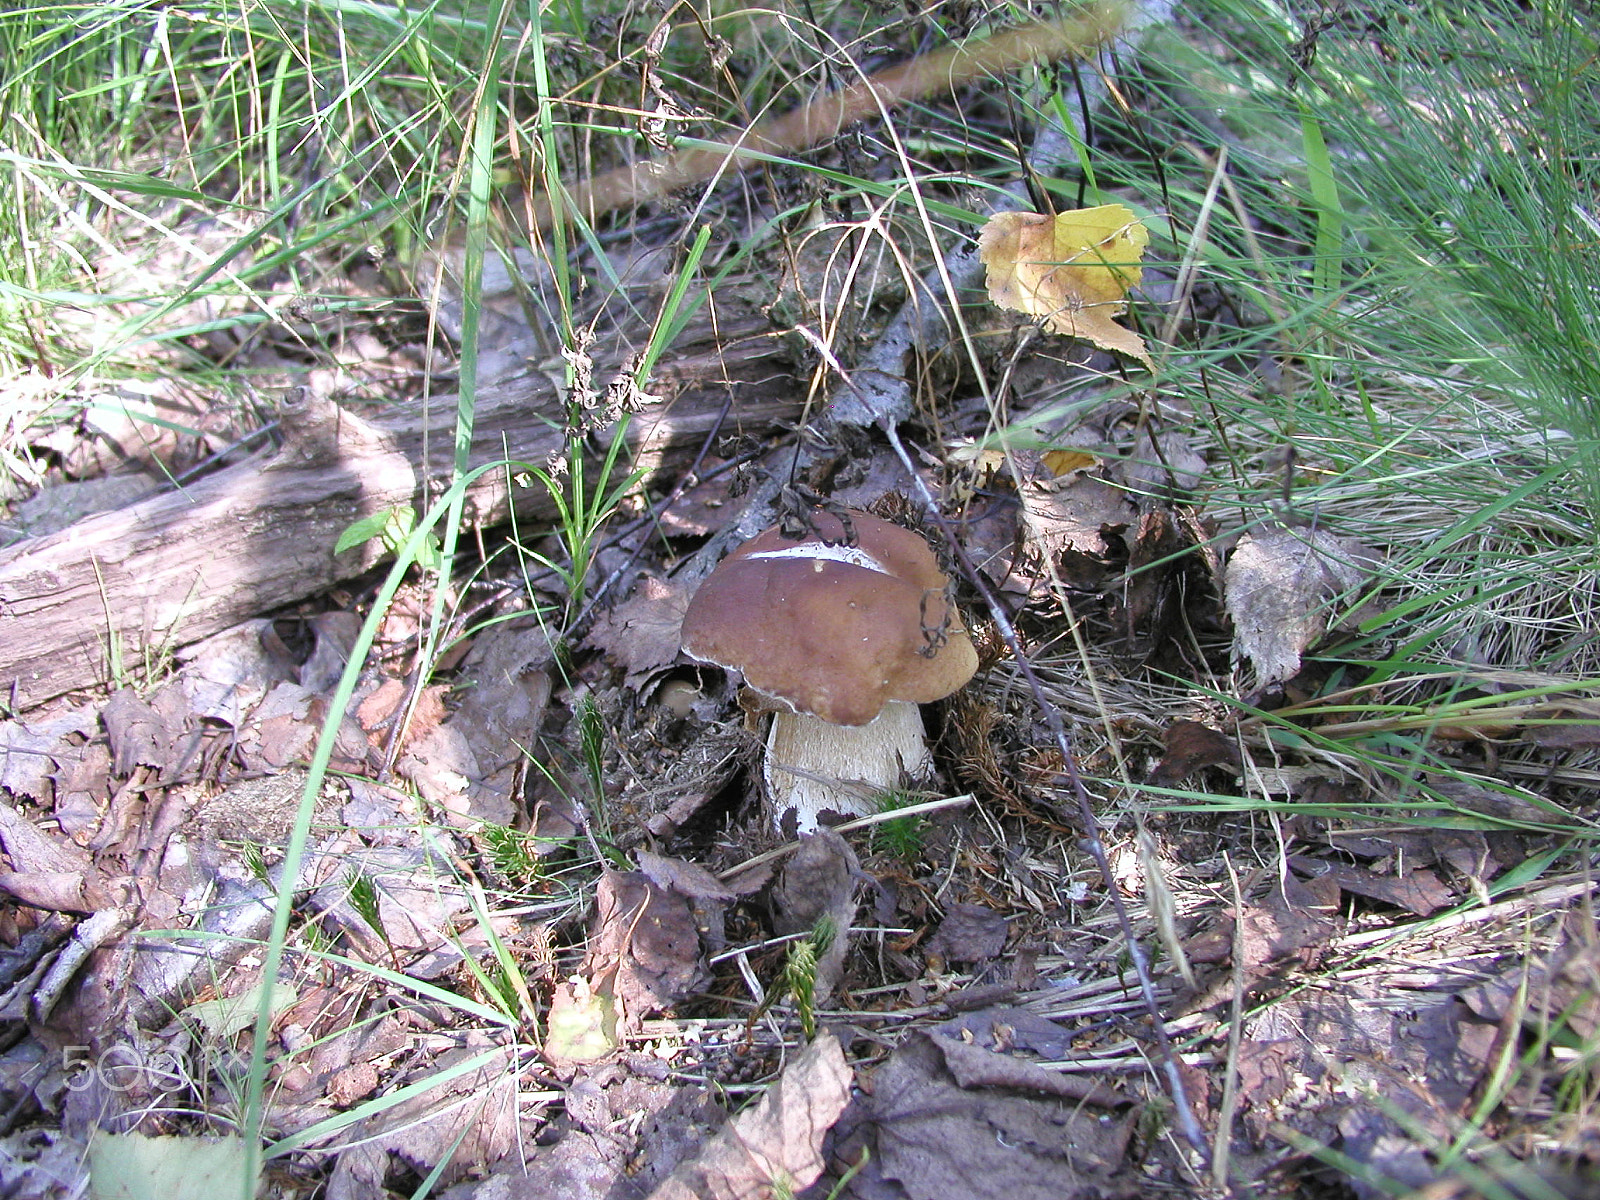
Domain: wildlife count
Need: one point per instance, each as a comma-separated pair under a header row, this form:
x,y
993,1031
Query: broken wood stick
x,y
1078,34
106,600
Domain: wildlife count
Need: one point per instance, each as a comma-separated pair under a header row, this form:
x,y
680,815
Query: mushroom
x,y
845,631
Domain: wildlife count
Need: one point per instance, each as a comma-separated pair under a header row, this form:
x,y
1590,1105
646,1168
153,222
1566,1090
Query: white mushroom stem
x,y
813,767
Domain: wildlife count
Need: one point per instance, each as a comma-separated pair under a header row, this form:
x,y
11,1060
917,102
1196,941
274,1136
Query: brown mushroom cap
x,y
832,630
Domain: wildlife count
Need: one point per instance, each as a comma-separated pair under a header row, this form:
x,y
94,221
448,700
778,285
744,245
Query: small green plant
x,y
392,527
583,506
255,862
588,493
362,894
503,982
850,1173
800,972
592,740
512,851
593,737
317,939
902,837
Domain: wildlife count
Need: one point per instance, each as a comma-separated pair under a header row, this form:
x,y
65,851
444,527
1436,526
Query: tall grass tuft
x,y
1471,135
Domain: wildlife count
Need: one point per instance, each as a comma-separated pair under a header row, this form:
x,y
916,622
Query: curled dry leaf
x,y
136,731
30,752
1286,930
818,887
507,671
1419,891
455,1127
1416,1067
1162,465
1558,987
775,1147
943,1119
642,634
1191,746
969,933
644,953
1081,518
1073,269
686,878
1281,586
1006,1029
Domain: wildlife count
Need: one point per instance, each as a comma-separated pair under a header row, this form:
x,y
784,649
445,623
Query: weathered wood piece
x,y
121,589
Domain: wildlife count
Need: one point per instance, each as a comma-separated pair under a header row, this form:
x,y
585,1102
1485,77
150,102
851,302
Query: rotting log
x,y
121,589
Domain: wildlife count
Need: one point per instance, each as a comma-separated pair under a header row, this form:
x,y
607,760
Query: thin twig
x,y
1222,1144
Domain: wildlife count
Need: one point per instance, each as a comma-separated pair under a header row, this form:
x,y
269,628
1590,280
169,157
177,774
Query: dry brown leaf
x,y
1465,851
465,1123
282,729
701,508
774,1148
1419,891
507,688
1162,465
415,907
1005,1029
1073,269
1565,737
642,633
82,790
1189,747
31,751
226,675
1075,518
348,1062
136,731
969,933
818,885
352,1084
1384,1071
29,848
1289,927
1281,586
1561,988
1066,462
500,713
686,878
1146,604
442,766
944,1119
645,950
335,634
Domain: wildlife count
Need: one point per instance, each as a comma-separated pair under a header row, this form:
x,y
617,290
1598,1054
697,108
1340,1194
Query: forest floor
x,y
365,826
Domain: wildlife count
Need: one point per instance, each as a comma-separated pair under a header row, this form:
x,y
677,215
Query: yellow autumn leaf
x,y
1068,462
1073,269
